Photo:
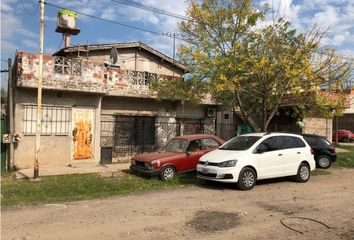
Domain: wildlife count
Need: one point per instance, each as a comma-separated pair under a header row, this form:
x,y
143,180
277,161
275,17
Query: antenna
x,y
114,56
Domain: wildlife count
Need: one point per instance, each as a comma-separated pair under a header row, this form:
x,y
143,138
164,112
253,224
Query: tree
x,y
249,65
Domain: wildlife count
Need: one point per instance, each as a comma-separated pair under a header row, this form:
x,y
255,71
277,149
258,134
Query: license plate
x,y
204,170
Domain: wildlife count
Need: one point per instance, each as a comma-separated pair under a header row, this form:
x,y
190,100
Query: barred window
x,y
55,120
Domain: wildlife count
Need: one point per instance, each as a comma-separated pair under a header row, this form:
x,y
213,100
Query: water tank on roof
x,y
66,22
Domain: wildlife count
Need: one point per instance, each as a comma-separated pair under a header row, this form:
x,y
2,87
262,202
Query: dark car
x,y
324,151
181,154
343,135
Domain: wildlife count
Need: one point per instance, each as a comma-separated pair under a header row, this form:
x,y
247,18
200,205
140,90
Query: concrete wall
x,y
135,59
55,150
319,126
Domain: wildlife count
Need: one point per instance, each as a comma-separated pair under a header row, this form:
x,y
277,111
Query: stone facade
x,y
318,126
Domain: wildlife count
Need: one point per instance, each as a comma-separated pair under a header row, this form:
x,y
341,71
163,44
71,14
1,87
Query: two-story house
x,y
94,111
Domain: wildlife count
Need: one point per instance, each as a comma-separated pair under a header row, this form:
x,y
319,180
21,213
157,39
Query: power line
x,y
166,33
62,39
28,12
114,22
152,9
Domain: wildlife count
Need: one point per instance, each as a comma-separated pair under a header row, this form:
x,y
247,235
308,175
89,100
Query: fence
x,y
344,122
130,135
3,145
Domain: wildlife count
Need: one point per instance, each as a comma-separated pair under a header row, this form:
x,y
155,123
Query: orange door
x,y
82,133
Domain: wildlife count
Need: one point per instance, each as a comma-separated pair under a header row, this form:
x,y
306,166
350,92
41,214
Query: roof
x,y
311,135
107,46
198,136
261,134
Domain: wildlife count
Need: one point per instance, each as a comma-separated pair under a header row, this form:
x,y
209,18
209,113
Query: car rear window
x,y
314,141
240,143
325,142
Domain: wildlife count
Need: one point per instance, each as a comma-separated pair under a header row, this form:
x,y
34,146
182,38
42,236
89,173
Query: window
x,y
55,120
270,144
287,142
194,146
208,143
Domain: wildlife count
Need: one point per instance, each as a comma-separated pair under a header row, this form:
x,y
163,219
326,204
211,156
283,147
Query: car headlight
x,y
148,166
133,162
230,163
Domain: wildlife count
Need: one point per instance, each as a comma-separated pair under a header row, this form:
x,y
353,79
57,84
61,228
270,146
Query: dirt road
x,y
212,211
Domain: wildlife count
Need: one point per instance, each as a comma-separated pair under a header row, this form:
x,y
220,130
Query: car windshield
x,y
176,145
240,143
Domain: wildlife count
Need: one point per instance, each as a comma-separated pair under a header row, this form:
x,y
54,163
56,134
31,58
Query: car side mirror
x,y
189,153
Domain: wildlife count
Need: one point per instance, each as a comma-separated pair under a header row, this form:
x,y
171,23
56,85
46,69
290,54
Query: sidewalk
x,y
46,171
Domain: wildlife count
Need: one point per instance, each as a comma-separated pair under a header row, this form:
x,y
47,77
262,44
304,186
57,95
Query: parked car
x,y
324,150
181,154
343,135
251,157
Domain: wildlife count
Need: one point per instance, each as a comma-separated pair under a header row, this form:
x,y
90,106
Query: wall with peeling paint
x,y
95,76
55,150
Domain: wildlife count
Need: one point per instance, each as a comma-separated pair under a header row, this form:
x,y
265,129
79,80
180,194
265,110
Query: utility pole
x,y
174,46
10,161
39,94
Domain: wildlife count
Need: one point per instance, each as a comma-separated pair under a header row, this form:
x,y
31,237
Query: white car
x,y
251,157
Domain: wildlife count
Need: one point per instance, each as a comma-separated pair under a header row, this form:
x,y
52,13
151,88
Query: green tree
x,y
249,65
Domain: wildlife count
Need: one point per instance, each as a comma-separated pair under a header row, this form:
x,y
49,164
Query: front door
x,y
83,128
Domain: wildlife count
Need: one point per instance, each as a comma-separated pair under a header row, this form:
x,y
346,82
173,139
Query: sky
x,y
20,23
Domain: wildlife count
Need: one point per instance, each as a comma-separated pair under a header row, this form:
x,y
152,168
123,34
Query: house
x,y
98,111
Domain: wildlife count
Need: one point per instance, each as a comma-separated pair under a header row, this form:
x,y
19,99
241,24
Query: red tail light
x,y
312,151
332,150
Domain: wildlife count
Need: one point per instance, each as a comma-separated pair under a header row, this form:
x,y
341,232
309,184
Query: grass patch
x,y
53,189
345,159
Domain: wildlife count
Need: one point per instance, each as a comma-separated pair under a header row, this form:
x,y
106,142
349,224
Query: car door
x,y
270,158
194,152
293,154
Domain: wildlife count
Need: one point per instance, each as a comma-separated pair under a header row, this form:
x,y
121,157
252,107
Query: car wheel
x,y
167,173
303,173
246,179
346,140
324,161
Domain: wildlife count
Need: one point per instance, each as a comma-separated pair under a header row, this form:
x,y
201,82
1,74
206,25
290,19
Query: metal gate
x,y
123,135
133,135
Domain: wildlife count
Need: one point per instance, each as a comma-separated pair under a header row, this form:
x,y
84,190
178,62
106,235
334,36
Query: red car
x,y
181,154
343,135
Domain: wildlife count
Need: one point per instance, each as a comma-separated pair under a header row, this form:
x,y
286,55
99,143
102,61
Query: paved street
x,y
212,211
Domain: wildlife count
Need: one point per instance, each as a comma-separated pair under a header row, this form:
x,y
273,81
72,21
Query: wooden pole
x,y
10,161
39,94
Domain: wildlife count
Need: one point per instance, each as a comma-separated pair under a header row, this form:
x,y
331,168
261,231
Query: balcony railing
x,y
141,78
64,65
